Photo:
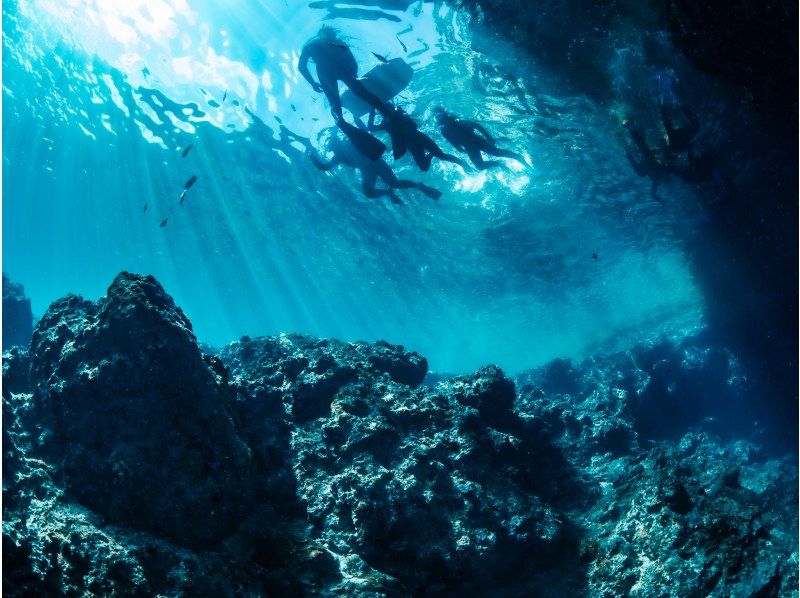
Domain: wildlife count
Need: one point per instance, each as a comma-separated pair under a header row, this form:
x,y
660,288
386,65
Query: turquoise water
x,y
101,97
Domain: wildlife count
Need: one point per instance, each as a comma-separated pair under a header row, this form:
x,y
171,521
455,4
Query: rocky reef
x,y
17,315
136,464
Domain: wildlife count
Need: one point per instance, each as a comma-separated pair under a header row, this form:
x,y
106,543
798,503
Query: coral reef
x,y
135,464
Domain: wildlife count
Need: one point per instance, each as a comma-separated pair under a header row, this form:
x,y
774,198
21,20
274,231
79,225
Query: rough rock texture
x,y
737,65
136,465
17,315
676,510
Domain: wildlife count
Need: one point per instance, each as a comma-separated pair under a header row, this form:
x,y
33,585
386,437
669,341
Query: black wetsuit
x,y
344,152
647,165
679,139
472,138
335,62
407,137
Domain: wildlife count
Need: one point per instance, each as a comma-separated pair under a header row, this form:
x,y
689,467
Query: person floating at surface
x,y
472,138
406,136
335,62
344,152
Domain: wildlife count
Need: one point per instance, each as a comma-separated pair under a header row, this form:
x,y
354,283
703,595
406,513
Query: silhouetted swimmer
x,y
344,152
335,62
647,165
186,151
679,139
188,184
472,138
407,137
164,222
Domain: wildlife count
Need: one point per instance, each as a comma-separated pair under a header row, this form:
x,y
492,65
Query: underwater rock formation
x,y
134,464
17,315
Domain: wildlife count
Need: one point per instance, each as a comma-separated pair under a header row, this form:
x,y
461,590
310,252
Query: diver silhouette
x,y
472,138
647,165
335,62
345,152
406,136
679,139
679,157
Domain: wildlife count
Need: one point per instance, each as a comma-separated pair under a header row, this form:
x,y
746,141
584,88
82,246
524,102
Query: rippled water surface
x,y
101,97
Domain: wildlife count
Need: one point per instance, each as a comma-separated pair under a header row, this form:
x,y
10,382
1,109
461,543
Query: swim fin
x,y
367,144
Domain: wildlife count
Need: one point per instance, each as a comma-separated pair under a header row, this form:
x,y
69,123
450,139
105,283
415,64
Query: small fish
x,y
190,182
186,150
293,108
144,209
278,118
224,95
235,102
594,256
204,91
145,71
381,58
183,197
213,103
405,49
164,222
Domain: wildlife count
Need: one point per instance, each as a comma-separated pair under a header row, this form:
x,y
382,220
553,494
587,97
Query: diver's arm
x,y
302,66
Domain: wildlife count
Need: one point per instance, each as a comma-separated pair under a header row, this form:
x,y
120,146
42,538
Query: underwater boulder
x,y
389,459
315,369
144,430
17,315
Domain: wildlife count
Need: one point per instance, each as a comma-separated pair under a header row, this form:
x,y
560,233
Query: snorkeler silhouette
x,y
679,157
472,138
344,152
335,62
406,136
647,165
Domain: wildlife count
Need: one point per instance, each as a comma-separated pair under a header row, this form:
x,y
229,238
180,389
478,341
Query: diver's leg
x,y
666,121
422,159
387,175
654,182
493,150
358,88
330,87
477,159
437,152
368,179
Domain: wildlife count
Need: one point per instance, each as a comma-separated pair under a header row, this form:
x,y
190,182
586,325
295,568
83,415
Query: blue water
x,y
101,97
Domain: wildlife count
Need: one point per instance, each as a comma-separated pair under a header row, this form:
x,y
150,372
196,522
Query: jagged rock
x,y
669,522
17,315
16,371
144,434
674,517
133,464
315,369
389,459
